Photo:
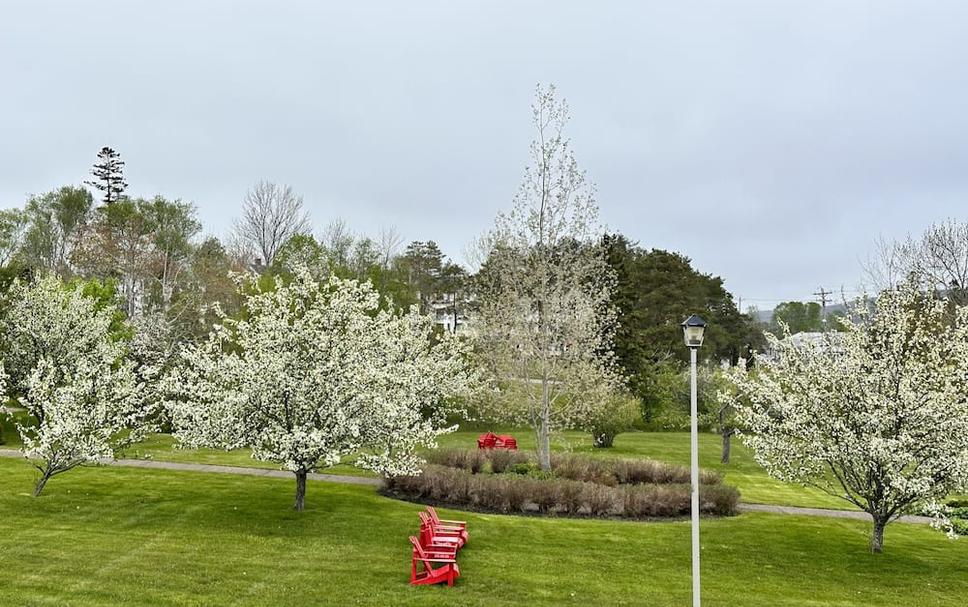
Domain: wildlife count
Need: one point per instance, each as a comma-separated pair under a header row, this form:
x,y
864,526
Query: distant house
x,y
451,312
813,338
809,339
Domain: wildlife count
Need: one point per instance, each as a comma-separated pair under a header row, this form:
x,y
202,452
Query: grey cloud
x,y
799,131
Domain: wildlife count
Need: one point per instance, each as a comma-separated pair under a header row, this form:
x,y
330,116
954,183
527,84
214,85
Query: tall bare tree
x,y
271,214
338,240
388,243
545,321
938,258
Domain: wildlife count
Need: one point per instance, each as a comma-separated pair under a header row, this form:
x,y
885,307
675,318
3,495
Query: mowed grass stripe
x,y
111,536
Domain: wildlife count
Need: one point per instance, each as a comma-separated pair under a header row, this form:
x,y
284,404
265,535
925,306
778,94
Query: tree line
x,y
150,256
236,343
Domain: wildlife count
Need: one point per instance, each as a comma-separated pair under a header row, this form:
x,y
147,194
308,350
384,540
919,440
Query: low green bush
x,y
523,468
619,415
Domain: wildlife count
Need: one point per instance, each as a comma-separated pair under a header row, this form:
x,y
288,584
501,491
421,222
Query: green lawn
x,y
743,472
112,536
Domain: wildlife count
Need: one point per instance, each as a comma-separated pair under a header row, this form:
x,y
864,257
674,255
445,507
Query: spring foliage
x,y
876,414
315,371
545,321
72,376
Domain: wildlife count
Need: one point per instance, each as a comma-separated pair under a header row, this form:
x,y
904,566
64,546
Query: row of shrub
x,y
509,493
604,471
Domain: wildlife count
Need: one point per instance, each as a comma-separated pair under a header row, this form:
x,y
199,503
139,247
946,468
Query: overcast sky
x,y
769,141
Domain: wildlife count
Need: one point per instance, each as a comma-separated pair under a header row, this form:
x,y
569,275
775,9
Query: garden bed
x,y
511,482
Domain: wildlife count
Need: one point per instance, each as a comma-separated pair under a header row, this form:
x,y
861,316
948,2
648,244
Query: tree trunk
x,y
300,491
544,446
877,536
544,431
727,439
39,487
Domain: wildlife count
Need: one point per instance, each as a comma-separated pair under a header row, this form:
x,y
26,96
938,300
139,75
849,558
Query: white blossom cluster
x,y
71,375
876,414
316,371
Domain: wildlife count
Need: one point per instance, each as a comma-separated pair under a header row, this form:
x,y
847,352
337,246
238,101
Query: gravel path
x,y
360,480
148,463
854,514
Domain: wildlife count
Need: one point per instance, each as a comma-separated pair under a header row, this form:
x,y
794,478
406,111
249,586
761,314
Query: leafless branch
x,y
271,215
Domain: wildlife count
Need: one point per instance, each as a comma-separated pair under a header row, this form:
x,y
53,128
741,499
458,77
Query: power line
x,y
822,294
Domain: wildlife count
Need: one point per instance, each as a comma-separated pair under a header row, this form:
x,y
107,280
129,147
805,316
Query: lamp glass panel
x,y
693,336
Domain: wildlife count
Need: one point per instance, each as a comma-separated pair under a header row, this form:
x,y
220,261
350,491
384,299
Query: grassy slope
x,y
113,536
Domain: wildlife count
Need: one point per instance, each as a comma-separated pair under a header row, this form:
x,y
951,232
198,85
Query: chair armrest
x,y
444,530
445,540
454,523
435,553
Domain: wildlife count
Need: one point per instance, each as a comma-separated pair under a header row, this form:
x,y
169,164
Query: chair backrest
x,y
426,535
417,548
424,519
433,514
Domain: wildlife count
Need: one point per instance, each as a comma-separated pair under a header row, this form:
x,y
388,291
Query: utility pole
x,y
822,294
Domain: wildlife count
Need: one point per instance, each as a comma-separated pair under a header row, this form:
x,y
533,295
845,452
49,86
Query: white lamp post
x,y
692,332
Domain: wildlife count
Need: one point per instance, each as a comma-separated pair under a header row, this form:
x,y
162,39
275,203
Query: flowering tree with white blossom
x,y
545,323
876,414
71,374
313,372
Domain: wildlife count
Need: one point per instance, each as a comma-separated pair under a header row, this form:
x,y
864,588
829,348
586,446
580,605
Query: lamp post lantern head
x,y
692,331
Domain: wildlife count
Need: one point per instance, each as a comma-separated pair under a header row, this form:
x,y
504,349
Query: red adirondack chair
x,y
448,571
506,441
428,539
489,440
441,533
459,527
486,440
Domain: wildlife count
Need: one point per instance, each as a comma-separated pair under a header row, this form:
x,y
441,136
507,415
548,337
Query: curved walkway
x,y
361,480
854,514
268,472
